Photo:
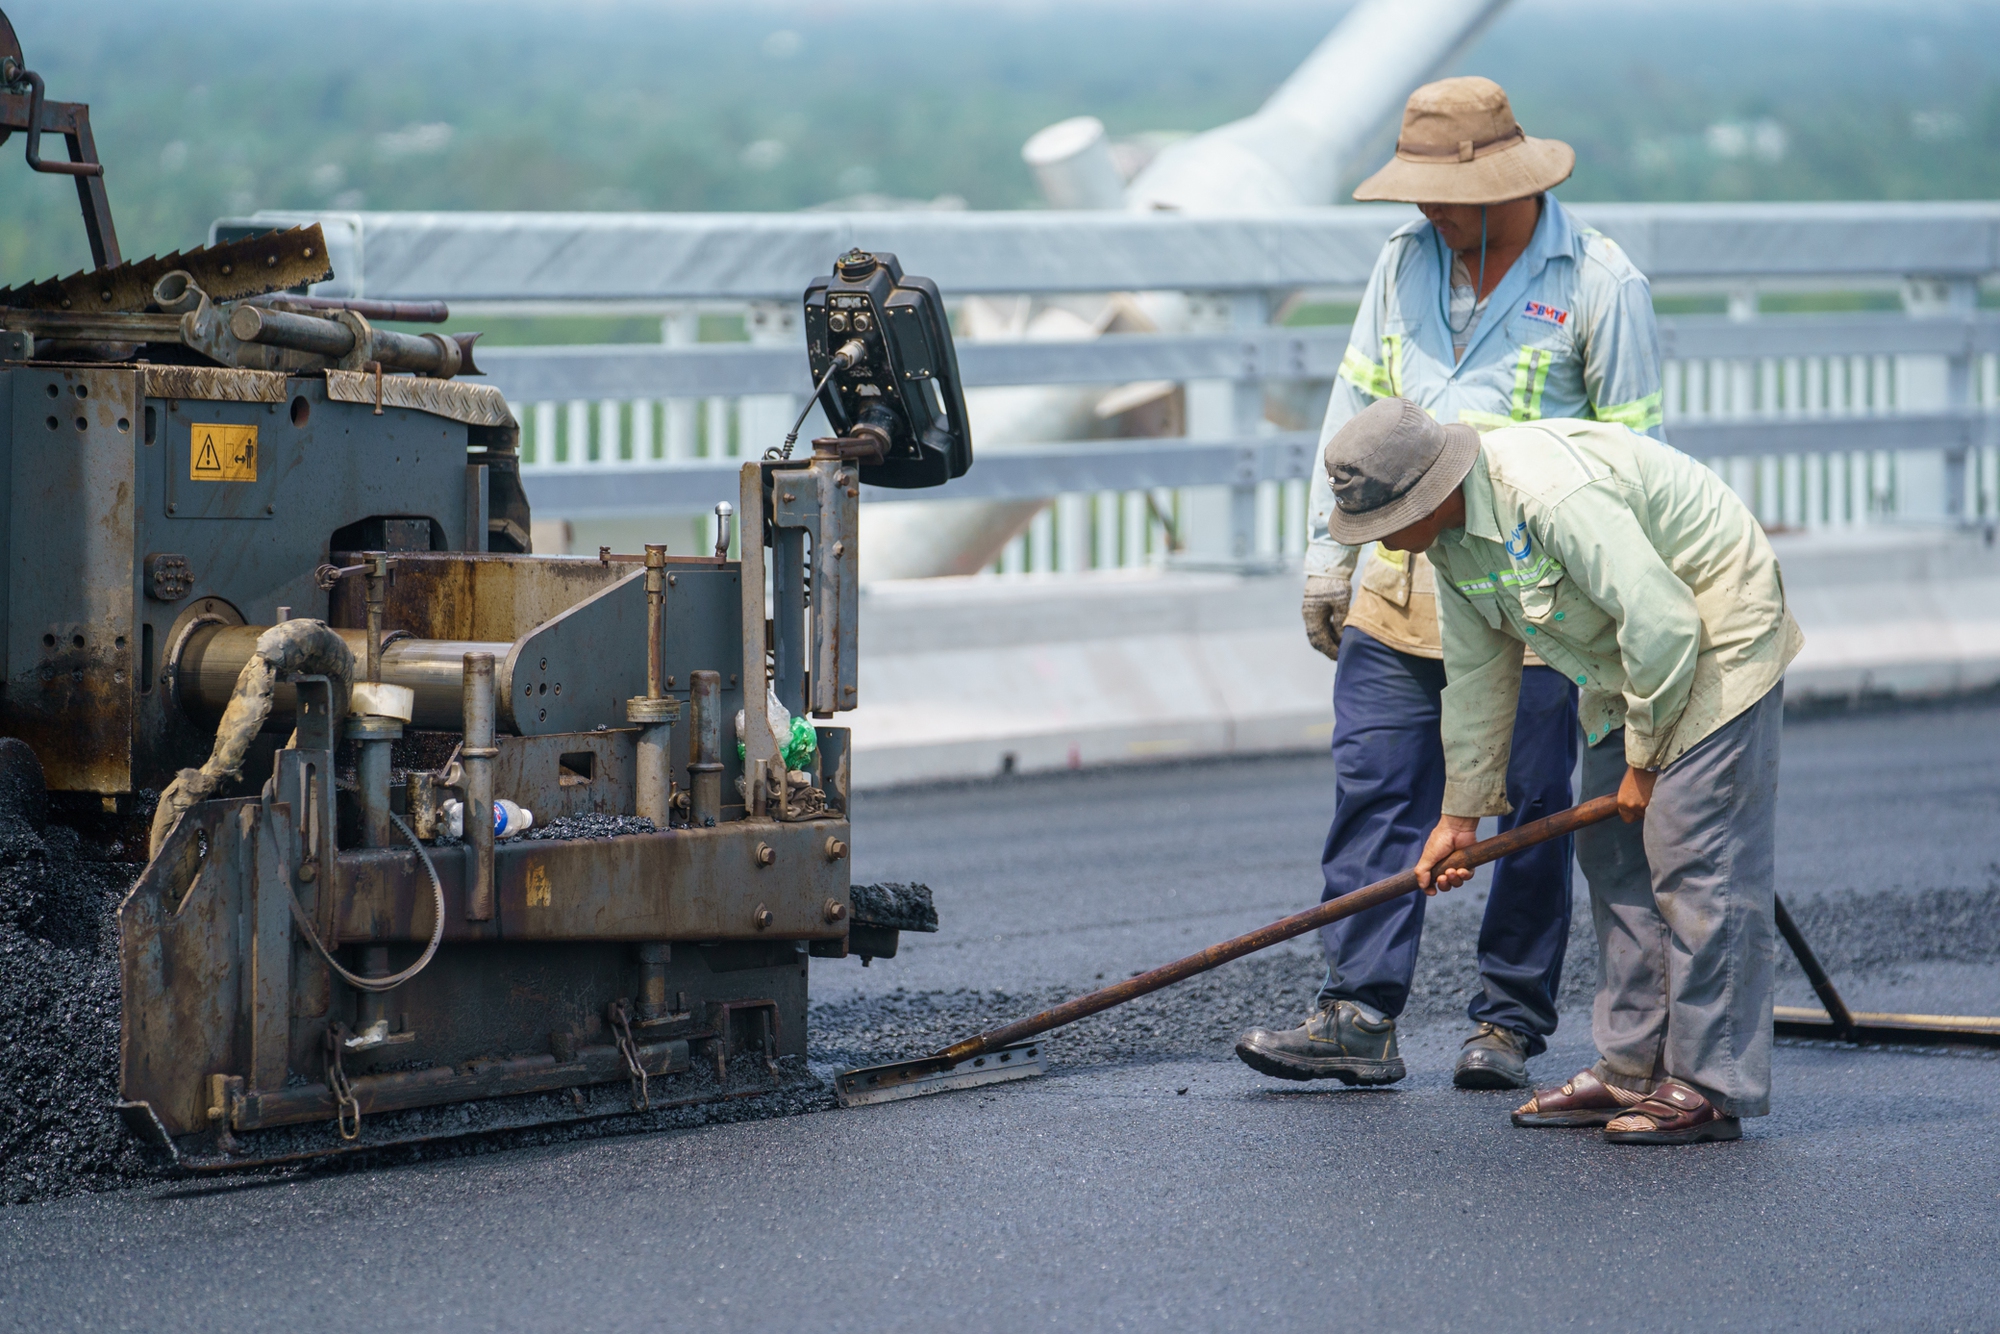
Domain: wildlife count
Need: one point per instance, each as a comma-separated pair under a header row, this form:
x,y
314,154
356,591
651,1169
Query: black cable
x,y
847,358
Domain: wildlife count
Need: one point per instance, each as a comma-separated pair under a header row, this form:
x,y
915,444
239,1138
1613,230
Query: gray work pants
x,y
1682,902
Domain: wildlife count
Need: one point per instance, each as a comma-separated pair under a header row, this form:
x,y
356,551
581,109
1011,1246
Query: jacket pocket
x,y
1540,347
1554,605
1538,601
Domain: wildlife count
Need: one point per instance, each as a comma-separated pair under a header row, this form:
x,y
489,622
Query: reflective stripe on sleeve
x,y
1523,577
1366,376
1641,414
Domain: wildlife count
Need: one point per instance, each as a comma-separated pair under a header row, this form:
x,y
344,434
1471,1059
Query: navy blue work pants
x,y
1389,758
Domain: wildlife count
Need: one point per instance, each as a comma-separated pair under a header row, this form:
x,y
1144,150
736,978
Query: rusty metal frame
x,y
216,986
34,114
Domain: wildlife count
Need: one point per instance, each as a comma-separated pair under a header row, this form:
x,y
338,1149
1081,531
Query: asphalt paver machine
x,y
272,562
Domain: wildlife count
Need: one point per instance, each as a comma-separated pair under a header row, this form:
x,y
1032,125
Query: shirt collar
x,y
1555,234
1480,519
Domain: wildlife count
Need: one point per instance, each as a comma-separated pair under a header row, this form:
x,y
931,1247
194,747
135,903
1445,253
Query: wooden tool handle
x,y
1487,850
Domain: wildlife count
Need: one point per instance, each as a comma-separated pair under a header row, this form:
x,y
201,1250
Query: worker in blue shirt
x,y
1499,307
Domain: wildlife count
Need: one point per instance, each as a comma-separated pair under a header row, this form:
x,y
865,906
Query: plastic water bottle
x,y
509,820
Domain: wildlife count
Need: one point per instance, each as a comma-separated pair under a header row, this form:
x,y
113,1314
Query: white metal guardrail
x,y
1818,420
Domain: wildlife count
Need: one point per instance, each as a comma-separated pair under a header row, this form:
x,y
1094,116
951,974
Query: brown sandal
x,y
1585,1100
1674,1114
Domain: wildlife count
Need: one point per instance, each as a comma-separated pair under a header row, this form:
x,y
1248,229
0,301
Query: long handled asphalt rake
x,y
1007,1053
1837,1023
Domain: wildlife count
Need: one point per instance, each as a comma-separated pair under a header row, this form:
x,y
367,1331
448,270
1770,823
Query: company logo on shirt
x,y
1520,544
1536,310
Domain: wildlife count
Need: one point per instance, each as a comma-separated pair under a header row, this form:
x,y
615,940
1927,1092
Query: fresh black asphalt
x,y
1150,1181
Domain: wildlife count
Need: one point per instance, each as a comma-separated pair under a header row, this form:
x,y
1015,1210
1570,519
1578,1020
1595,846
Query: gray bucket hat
x,y
1391,465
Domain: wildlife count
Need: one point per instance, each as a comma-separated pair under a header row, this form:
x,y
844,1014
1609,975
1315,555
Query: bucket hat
x,y
1460,144
1390,465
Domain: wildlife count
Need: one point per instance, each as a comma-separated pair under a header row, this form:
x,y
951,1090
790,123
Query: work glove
x,y
1325,612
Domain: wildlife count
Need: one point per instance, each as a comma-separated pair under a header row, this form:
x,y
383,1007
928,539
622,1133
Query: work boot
x,y
1341,1040
1492,1058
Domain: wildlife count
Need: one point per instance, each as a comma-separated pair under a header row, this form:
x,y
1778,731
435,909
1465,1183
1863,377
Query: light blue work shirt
x,y
1568,332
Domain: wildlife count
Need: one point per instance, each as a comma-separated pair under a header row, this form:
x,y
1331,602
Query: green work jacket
x,y
1631,568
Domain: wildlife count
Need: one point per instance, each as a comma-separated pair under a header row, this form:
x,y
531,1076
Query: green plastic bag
x,y
797,739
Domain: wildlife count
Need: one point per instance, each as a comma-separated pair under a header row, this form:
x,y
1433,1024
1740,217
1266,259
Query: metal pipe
x,y
655,711
427,354
758,746
372,1008
408,312
421,800
208,664
654,956
656,609
371,771
705,770
37,94
1318,126
1073,165
1314,130
1382,891
301,333
654,763
723,510
476,757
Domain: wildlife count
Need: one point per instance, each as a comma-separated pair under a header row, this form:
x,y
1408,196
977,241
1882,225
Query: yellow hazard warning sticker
x,y
222,453
538,886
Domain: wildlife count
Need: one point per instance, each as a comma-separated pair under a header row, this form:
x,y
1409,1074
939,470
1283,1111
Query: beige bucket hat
x,y
1460,144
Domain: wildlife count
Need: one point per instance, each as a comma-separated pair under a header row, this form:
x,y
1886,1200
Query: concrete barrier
x,y
1896,611
967,678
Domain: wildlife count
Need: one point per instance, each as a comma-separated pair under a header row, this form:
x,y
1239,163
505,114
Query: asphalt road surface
x,y
1150,1181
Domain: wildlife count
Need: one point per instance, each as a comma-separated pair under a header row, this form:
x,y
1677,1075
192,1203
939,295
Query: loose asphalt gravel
x,y
1150,1180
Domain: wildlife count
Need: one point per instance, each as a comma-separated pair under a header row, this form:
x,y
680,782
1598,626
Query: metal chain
x,y
642,1099
347,1108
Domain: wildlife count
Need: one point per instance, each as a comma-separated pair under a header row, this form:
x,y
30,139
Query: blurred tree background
x,y
205,108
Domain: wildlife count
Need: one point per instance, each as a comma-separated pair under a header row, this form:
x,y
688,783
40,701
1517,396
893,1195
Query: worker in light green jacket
x,y
1640,575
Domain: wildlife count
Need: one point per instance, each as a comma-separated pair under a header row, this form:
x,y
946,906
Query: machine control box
x,y
904,388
